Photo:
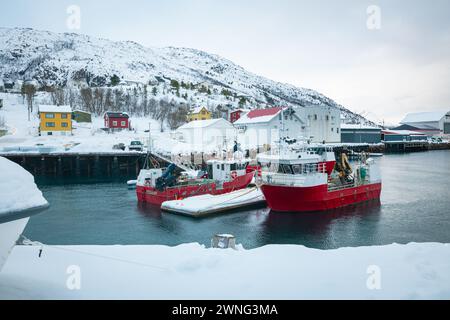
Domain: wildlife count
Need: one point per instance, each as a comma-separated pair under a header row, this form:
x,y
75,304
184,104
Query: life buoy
x,y
234,174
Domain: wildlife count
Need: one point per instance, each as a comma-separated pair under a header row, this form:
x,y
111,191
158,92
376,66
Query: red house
x,y
236,114
116,120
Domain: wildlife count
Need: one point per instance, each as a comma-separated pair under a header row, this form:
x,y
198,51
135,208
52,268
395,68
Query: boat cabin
x,y
226,170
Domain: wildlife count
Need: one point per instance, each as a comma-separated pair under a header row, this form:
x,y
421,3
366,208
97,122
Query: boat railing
x,y
341,186
289,179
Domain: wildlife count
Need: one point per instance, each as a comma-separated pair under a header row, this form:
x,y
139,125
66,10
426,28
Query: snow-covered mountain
x,y
69,59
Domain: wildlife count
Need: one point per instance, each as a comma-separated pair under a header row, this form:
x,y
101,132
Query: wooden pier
x,y
80,164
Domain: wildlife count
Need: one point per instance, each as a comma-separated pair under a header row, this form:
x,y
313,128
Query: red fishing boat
x,y
157,185
308,178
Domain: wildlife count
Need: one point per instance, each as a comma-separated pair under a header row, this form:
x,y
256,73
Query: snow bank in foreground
x,y
190,271
17,188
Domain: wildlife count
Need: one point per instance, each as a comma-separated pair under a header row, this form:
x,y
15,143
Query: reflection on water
x,y
302,227
415,206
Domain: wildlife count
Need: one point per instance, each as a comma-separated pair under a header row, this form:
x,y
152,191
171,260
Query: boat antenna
x,y
149,147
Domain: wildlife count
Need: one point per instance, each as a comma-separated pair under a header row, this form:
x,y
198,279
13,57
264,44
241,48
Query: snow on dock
x,y
191,271
202,205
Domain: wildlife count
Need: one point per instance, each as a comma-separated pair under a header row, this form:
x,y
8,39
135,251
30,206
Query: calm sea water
x,y
414,207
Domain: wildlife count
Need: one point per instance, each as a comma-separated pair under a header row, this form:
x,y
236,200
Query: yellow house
x,y
199,113
55,120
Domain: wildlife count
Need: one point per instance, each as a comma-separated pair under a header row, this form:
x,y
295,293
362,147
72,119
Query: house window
x,y
63,115
122,123
49,115
49,133
327,117
64,124
332,129
315,117
114,123
50,124
337,130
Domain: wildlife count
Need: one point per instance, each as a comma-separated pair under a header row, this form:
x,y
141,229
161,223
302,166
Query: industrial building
x,y
358,133
424,121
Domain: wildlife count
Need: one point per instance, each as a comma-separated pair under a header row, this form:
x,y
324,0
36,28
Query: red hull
x,y
153,196
318,198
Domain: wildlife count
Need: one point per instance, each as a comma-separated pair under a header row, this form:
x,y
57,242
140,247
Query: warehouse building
x,y
439,120
358,133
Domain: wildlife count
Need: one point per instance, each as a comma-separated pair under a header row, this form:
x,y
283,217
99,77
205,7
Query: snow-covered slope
x,y
66,59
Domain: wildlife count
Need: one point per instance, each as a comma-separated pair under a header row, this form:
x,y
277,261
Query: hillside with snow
x,y
187,75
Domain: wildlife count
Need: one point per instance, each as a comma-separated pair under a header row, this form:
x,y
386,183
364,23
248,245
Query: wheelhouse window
x,y
123,123
286,168
297,168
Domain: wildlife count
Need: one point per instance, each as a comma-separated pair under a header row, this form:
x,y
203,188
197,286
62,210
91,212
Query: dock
x,y
207,204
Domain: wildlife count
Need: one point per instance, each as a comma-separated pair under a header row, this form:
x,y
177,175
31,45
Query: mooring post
x,y
77,166
116,168
43,169
137,166
88,163
96,169
60,167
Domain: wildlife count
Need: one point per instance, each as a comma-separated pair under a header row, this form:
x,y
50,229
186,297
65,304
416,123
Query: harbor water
x,y
414,207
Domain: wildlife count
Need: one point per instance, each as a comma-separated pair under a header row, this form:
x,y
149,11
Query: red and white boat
x,y
155,186
307,178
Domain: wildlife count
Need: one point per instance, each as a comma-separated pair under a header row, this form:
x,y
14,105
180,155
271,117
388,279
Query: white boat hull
x,y
9,234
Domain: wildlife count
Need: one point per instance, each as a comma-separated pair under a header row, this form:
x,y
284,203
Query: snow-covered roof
x,y
111,114
358,126
203,123
241,110
258,116
54,108
403,132
423,117
198,109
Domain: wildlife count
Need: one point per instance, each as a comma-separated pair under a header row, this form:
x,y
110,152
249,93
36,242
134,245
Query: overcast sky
x,y
404,66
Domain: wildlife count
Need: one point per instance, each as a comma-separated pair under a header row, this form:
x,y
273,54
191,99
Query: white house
x,y
212,132
323,123
438,119
265,126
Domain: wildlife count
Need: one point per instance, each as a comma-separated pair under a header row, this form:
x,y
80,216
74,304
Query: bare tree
x,y
87,99
29,90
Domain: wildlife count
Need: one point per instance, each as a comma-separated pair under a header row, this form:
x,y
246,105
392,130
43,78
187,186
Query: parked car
x,y
119,146
136,146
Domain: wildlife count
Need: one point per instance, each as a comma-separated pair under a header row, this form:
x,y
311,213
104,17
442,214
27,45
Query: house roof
x,y
81,111
259,116
423,117
54,108
358,126
241,110
116,114
198,109
419,126
203,123
403,132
